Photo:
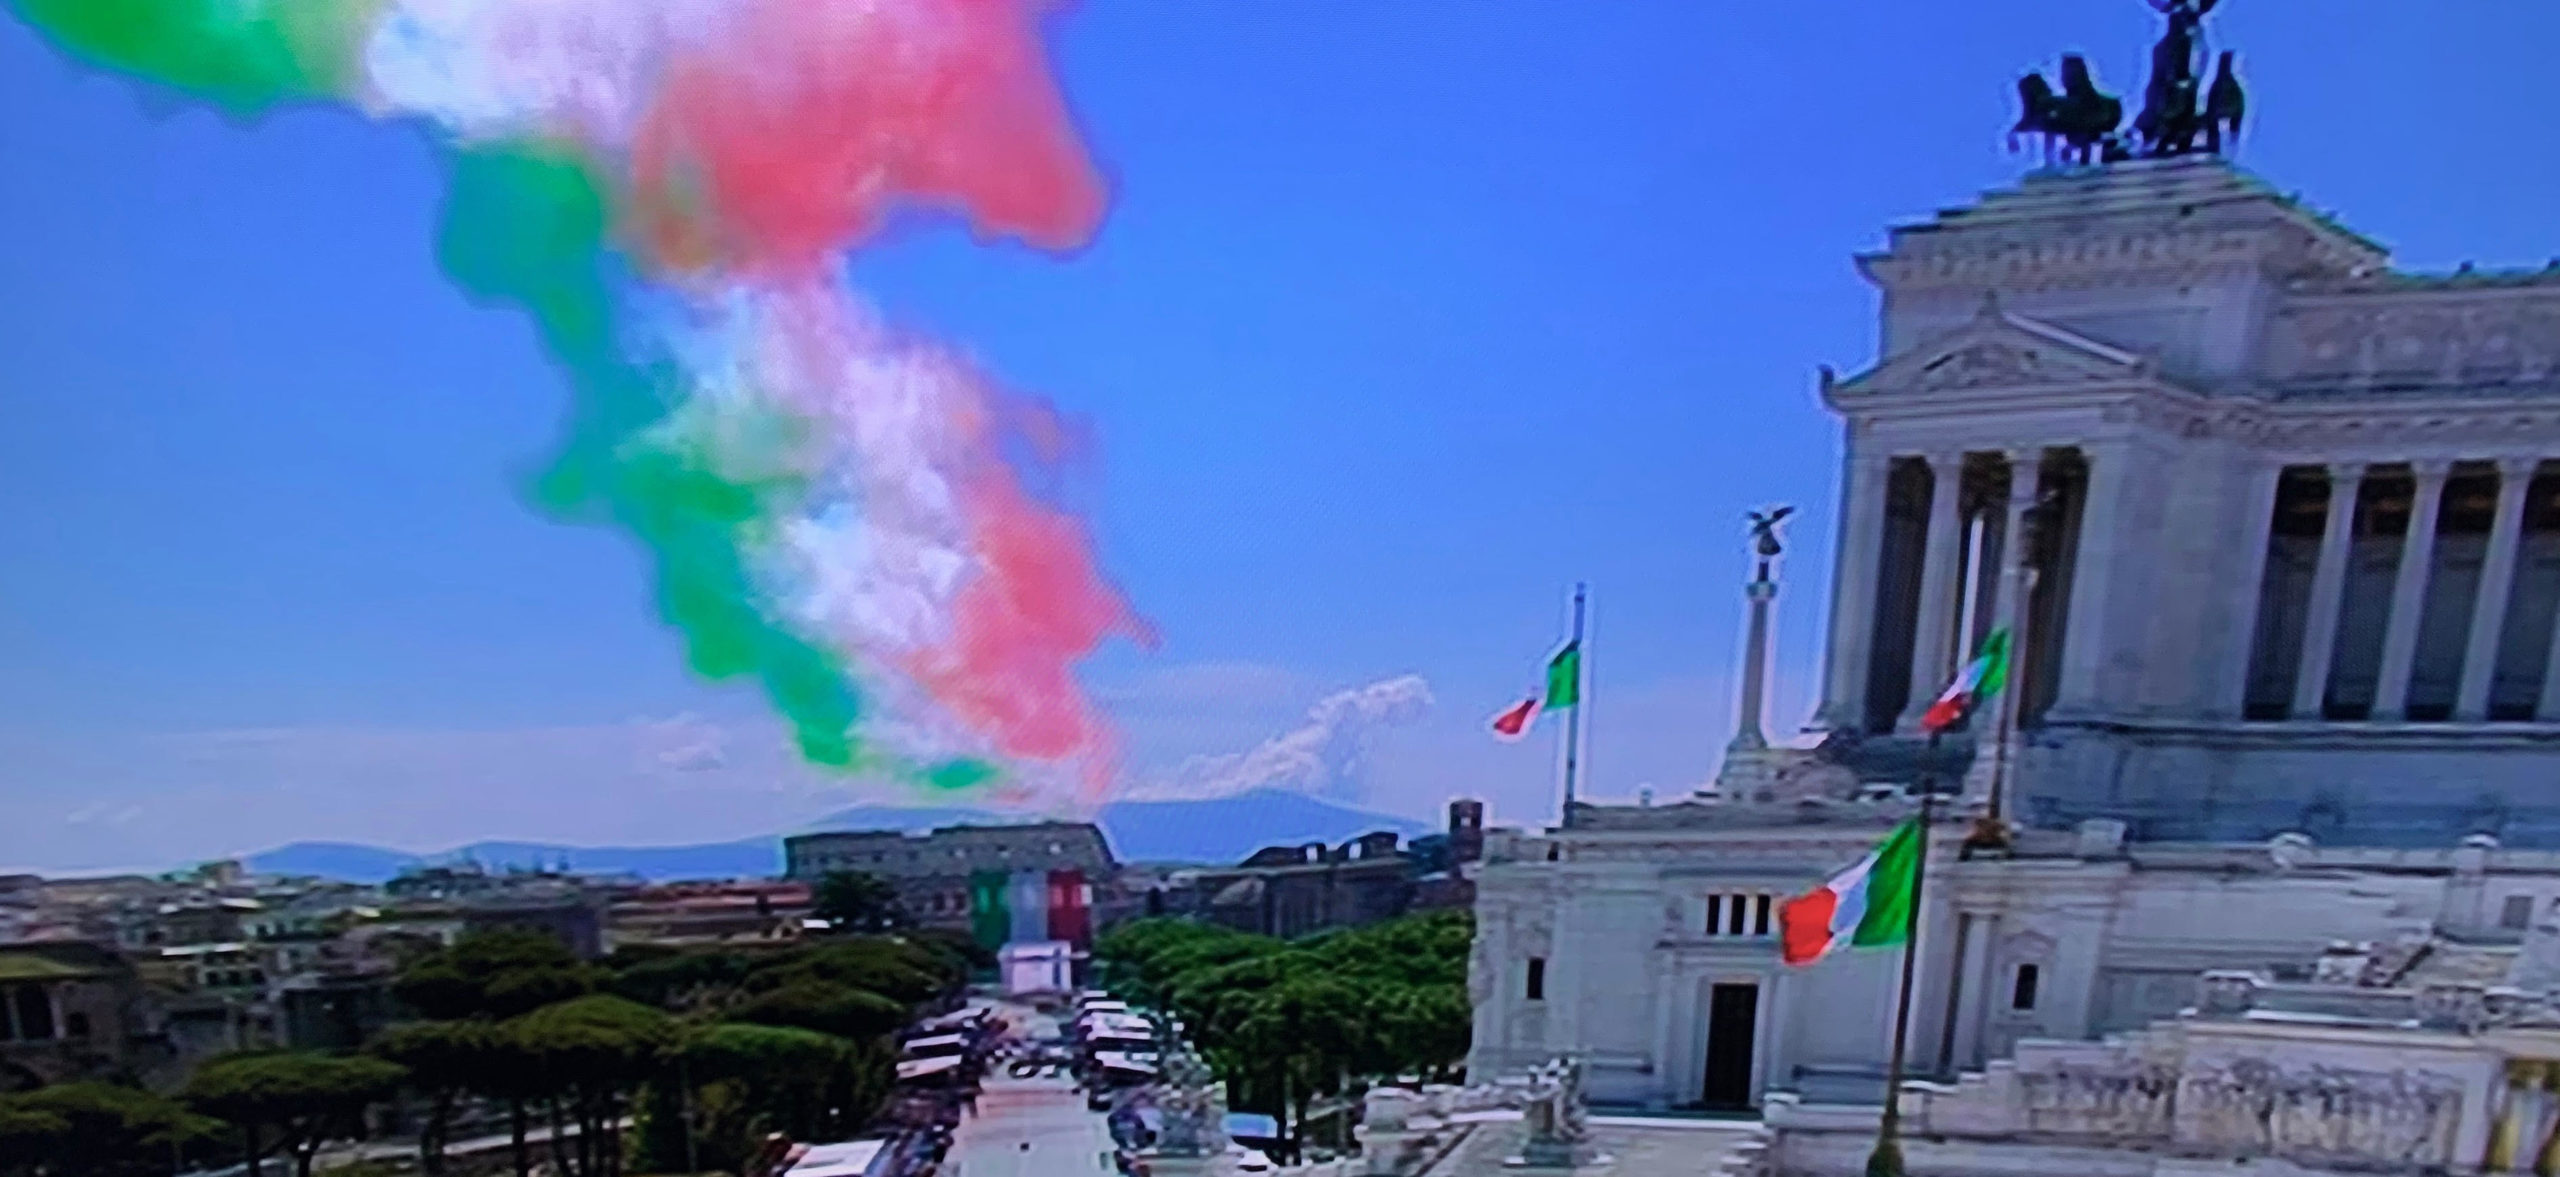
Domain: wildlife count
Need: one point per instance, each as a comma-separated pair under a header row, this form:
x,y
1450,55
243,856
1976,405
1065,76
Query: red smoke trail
x,y
774,147
794,136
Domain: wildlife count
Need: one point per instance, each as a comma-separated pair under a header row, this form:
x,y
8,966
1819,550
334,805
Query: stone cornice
x,y
2128,224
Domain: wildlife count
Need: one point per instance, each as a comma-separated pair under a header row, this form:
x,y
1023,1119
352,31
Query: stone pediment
x,y
1997,350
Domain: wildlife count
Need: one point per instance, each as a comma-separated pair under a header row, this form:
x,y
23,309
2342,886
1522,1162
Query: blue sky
x,y
1406,316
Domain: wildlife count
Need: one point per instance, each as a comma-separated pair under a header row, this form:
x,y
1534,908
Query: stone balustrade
x,y
2443,1078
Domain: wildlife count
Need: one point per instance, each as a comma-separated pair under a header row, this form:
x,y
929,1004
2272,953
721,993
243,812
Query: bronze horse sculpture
x,y
2177,109
2080,118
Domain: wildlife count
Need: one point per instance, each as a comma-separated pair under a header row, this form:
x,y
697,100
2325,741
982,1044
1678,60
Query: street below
x,y
1030,1128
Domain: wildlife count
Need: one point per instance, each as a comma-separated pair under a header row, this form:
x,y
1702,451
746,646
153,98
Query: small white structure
x,y
1037,968
930,1070
853,1158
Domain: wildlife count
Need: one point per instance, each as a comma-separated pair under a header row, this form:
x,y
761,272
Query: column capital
x,y
2517,469
2431,469
2349,473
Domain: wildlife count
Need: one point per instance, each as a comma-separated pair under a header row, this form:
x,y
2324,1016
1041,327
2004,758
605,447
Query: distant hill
x,y
333,860
1213,830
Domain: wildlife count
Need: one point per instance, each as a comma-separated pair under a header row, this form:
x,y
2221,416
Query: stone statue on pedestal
x,y
1194,1106
1558,1120
1748,770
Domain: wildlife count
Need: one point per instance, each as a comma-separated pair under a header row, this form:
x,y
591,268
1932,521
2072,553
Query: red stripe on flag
x,y
1804,926
1512,723
1942,714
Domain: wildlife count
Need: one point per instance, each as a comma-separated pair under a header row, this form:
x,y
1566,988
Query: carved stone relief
x,y
2407,341
1982,365
2089,262
2247,1106
2131,1101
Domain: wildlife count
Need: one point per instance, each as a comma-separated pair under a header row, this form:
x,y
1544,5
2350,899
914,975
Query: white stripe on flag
x,y
1851,886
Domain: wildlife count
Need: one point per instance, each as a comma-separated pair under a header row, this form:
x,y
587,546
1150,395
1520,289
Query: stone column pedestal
x,y
1750,769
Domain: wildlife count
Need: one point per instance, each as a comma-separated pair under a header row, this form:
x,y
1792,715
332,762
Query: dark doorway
x,y
1733,1016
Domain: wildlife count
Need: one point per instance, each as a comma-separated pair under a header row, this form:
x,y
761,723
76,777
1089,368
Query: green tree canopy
x,y
673,981
826,1007
786,1071
292,1101
956,952
1299,1016
94,1128
498,973
856,901
896,969
444,1061
592,1053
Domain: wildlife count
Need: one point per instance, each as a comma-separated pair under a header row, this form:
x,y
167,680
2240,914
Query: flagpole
x,y
1573,716
1998,812
1886,1160
1991,831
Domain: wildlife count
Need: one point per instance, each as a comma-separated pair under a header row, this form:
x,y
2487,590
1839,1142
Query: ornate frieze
x,y
2127,1099
2430,339
2044,262
2401,1117
2480,430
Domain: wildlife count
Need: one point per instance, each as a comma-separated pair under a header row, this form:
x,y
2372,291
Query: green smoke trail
x,y
526,224
529,224
244,55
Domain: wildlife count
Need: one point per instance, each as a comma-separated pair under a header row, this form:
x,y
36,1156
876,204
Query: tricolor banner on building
x,y
1029,906
1865,906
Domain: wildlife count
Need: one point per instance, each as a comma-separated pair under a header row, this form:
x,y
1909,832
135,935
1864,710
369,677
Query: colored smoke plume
x,y
1324,756
672,188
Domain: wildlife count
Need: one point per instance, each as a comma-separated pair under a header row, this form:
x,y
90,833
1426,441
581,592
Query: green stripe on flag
x,y
1564,678
990,915
1889,887
1995,665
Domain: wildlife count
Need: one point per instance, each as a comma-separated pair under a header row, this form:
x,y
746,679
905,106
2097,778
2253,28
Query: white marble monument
x,y
2306,553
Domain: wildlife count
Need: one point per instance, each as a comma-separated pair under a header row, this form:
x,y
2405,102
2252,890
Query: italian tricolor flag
x,y
1564,689
1865,906
1980,679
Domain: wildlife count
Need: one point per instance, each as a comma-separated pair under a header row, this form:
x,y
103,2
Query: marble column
x,y
2328,590
1940,564
2088,632
2245,593
1853,589
2409,591
2008,611
2497,585
2548,710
